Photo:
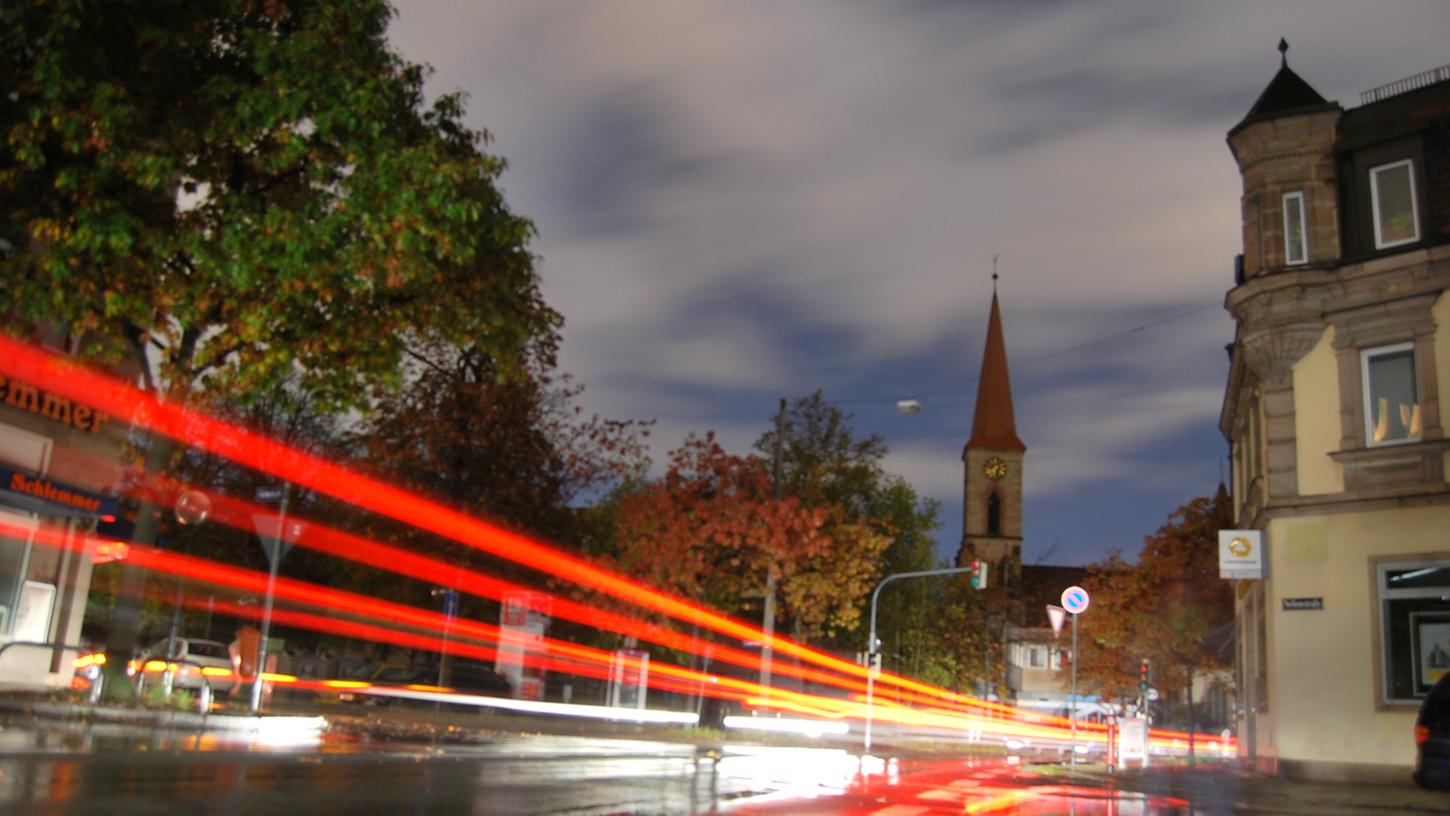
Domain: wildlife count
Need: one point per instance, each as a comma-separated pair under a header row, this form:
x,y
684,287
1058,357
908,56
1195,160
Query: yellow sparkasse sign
x,y
1241,554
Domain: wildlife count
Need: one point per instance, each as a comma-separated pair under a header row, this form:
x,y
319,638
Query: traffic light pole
x,y
872,648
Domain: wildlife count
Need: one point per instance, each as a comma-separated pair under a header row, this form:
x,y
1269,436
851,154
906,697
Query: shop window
x,y
1416,626
1391,397
1392,198
1296,239
14,560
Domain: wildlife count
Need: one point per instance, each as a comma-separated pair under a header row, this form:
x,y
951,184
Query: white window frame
x,y
1297,197
1036,657
1374,194
1368,396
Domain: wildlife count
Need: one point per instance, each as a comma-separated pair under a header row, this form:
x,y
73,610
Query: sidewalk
x,y
1221,789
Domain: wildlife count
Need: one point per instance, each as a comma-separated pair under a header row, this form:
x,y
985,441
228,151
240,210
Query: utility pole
x,y
768,624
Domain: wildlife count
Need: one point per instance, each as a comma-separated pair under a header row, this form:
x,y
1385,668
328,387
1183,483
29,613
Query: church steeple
x,y
993,456
994,425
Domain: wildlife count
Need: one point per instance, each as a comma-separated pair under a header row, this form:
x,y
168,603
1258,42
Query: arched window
x,y
994,515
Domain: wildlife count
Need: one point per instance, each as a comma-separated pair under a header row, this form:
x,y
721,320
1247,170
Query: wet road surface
x,y
119,770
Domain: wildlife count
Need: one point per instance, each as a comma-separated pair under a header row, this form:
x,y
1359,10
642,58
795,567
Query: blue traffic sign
x,y
1075,600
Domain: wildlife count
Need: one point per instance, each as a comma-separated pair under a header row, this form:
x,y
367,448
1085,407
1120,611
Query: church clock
x,y
994,468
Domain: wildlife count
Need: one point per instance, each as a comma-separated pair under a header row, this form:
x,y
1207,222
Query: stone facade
x,y
1002,550
1343,513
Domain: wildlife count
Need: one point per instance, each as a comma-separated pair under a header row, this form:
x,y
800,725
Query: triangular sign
x,y
269,529
1057,615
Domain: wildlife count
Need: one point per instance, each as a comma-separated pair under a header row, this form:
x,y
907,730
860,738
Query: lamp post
x,y
871,638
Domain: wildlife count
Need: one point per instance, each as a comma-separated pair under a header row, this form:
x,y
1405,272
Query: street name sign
x,y
1298,604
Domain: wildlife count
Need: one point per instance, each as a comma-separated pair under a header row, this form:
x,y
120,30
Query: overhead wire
x,y
1034,360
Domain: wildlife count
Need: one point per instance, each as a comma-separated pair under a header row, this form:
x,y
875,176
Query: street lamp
x,y
871,647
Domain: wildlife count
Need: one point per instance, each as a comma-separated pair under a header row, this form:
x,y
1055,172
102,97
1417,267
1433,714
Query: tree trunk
x,y
121,640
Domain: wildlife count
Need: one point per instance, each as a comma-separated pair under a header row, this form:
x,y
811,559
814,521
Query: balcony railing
x,y
1405,85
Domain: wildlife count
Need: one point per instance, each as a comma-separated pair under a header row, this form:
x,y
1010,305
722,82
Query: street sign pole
x,y
1075,601
274,556
1074,693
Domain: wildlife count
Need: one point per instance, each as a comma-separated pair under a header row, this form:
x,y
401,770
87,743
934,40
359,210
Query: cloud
x,y
738,202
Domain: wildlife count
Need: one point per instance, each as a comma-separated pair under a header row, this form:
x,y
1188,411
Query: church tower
x,y
992,495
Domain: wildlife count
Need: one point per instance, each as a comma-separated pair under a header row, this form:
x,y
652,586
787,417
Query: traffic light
x,y
979,574
1143,676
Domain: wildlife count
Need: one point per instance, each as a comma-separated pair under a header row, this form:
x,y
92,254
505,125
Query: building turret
x,y
1285,151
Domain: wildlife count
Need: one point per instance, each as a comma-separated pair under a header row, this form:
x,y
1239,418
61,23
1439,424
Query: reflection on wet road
x,y
120,772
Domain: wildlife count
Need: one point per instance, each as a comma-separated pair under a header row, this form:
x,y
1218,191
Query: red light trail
x,y
255,451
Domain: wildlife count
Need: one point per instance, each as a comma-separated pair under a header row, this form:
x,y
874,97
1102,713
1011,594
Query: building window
x,y
994,515
1392,196
14,564
1391,398
1035,657
1416,626
1296,240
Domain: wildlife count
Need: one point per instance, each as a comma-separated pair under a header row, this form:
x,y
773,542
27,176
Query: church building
x,y
1033,673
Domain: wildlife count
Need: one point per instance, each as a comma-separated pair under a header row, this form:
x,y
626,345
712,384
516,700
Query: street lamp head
x,y
908,406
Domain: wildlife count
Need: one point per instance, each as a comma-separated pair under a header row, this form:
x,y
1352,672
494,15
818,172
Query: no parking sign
x,y
1075,600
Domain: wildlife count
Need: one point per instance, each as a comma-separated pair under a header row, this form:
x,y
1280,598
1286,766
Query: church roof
x,y
994,425
1286,93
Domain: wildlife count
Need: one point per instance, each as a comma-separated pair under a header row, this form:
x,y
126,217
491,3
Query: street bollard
x,y
97,685
203,699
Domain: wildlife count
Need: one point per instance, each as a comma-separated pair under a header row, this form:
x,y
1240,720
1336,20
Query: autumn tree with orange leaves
x,y
1162,608
713,530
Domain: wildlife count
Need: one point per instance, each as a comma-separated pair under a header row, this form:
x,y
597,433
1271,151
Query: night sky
x,y
744,201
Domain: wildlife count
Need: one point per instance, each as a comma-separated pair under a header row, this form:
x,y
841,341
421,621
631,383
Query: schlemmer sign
x,y
1241,554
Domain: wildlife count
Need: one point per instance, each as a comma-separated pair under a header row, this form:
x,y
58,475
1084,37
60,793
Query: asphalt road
x,y
119,770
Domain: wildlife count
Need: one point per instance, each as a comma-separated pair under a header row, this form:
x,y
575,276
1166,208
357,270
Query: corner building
x,y
1340,366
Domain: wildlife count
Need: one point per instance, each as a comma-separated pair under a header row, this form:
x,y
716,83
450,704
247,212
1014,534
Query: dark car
x,y
1432,738
476,678
466,676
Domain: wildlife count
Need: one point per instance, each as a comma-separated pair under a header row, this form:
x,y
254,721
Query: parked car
x,y
193,657
1432,738
467,676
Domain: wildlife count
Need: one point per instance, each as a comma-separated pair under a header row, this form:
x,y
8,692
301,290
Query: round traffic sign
x,y
1075,600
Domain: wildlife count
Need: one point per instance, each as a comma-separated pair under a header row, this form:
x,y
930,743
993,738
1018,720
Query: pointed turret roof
x,y
1287,93
995,425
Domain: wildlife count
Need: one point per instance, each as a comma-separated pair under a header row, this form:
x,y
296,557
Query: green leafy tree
x,y
825,463
224,195
220,196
